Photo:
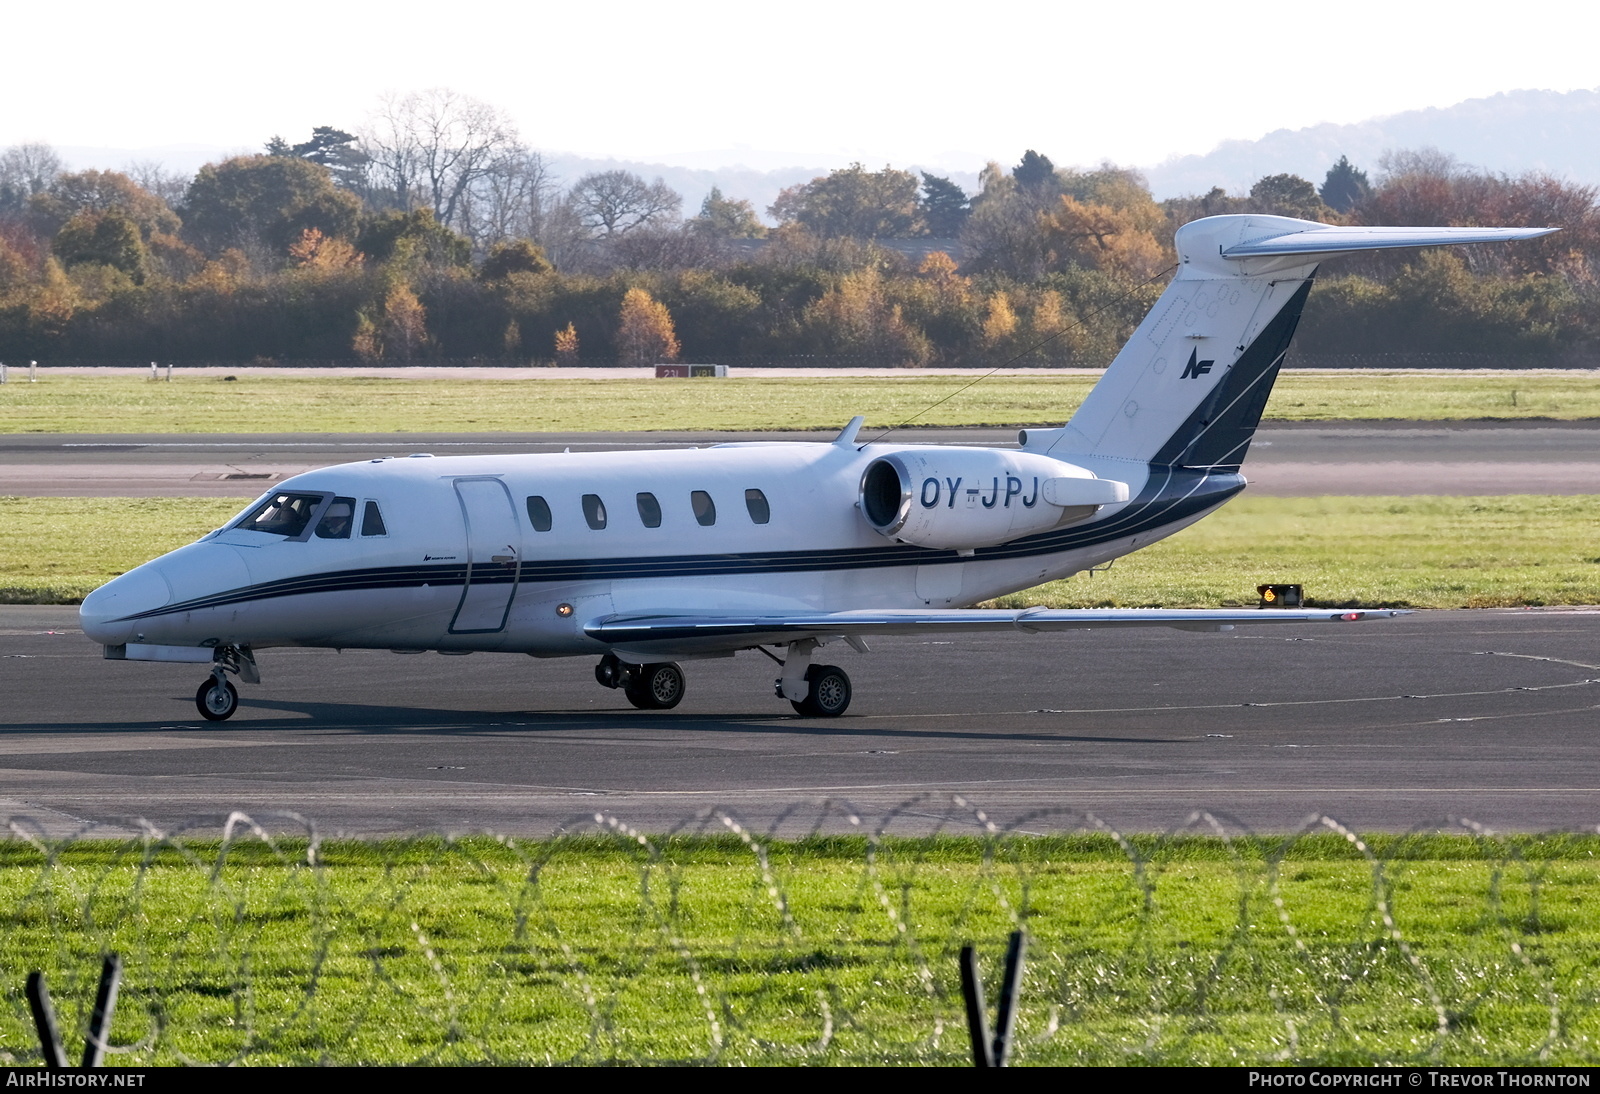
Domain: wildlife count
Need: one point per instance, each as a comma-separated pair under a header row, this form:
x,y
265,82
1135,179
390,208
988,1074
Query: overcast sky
x,y
710,82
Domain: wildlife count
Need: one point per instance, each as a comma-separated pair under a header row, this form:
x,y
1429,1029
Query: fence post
x,y
153,374
105,1003
33,370
977,1020
995,1051
1006,1019
2,372
44,1021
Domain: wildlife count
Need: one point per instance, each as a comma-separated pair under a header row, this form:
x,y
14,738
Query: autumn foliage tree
x,y
107,239
320,253
854,202
257,202
645,334
1098,237
567,345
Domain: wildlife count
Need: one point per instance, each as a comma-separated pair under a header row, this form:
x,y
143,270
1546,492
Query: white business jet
x,y
643,560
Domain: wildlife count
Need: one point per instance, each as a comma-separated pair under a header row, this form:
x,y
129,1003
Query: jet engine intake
x,y
963,498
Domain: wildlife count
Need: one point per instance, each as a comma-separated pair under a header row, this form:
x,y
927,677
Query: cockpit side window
x,y
338,519
281,515
372,521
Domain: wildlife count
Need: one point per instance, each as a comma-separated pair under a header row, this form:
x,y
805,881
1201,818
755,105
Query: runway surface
x,y
1287,459
1490,715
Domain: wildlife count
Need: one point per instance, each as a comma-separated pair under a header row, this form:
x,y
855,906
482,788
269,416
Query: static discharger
x,y
1281,596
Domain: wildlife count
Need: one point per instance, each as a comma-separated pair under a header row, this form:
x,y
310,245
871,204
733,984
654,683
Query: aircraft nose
x,y
105,612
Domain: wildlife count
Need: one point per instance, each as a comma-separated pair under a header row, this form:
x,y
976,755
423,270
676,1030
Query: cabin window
x,y
756,502
338,519
594,511
281,515
539,514
705,510
649,510
372,521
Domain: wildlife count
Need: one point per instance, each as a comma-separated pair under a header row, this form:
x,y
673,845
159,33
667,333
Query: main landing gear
x,y
827,692
217,698
649,687
815,691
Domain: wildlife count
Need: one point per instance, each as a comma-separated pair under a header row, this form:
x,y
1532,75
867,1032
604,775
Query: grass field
x,y
608,947
1432,552
304,404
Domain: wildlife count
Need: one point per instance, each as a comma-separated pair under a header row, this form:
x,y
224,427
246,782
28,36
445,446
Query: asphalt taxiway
x,y
1489,715
1286,459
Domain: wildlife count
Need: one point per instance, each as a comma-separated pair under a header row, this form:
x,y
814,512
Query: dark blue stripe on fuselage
x,y
1170,495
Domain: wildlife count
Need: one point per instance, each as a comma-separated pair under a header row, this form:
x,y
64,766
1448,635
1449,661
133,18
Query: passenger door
x,y
494,552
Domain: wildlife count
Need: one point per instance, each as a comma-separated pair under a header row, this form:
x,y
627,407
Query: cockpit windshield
x,y
281,515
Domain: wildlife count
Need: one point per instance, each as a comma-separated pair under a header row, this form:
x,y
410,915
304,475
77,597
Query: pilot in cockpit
x,y
335,523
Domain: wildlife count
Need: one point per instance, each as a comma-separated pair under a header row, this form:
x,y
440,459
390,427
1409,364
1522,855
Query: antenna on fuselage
x,y
847,435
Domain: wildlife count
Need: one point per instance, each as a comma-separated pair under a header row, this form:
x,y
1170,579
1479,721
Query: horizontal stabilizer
x,y
1329,239
707,632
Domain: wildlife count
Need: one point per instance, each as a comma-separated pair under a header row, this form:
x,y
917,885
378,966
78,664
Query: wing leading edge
x,y
665,632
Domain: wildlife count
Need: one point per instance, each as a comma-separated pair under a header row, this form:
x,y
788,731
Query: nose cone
x,y
105,612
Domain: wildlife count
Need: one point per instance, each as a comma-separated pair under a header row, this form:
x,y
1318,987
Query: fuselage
x,y
518,553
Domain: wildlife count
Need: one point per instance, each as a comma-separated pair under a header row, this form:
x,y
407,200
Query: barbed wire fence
x,y
713,943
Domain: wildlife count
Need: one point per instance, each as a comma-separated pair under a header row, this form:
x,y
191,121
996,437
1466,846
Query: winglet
x,y
847,435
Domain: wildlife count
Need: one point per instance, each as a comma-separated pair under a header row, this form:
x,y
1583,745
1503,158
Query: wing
x,y
699,632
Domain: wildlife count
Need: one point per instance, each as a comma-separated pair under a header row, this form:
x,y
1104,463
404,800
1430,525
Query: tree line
x,y
434,233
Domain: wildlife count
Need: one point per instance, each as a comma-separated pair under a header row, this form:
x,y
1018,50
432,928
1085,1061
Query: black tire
x,y
656,687
827,692
217,704
610,672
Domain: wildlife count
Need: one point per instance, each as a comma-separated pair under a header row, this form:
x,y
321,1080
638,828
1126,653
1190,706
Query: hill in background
x,y
1513,132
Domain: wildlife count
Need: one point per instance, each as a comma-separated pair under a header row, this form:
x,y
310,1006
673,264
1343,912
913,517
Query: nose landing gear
x,y
217,698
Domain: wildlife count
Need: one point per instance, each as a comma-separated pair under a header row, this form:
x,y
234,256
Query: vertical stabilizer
x,y
1190,386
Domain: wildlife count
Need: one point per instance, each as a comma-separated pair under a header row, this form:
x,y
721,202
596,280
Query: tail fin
x,y
1189,387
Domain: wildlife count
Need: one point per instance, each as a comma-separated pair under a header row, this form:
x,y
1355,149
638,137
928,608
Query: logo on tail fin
x,y
1196,367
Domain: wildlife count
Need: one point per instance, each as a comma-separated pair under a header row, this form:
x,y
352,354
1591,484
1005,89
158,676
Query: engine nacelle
x,y
962,498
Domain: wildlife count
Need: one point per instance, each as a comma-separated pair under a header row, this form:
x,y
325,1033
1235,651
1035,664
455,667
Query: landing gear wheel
x,y
217,700
610,672
827,692
656,687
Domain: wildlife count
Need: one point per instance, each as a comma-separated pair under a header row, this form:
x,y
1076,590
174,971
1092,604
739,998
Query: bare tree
x,y
663,247
170,186
26,170
512,200
430,148
561,233
613,203
1426,162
